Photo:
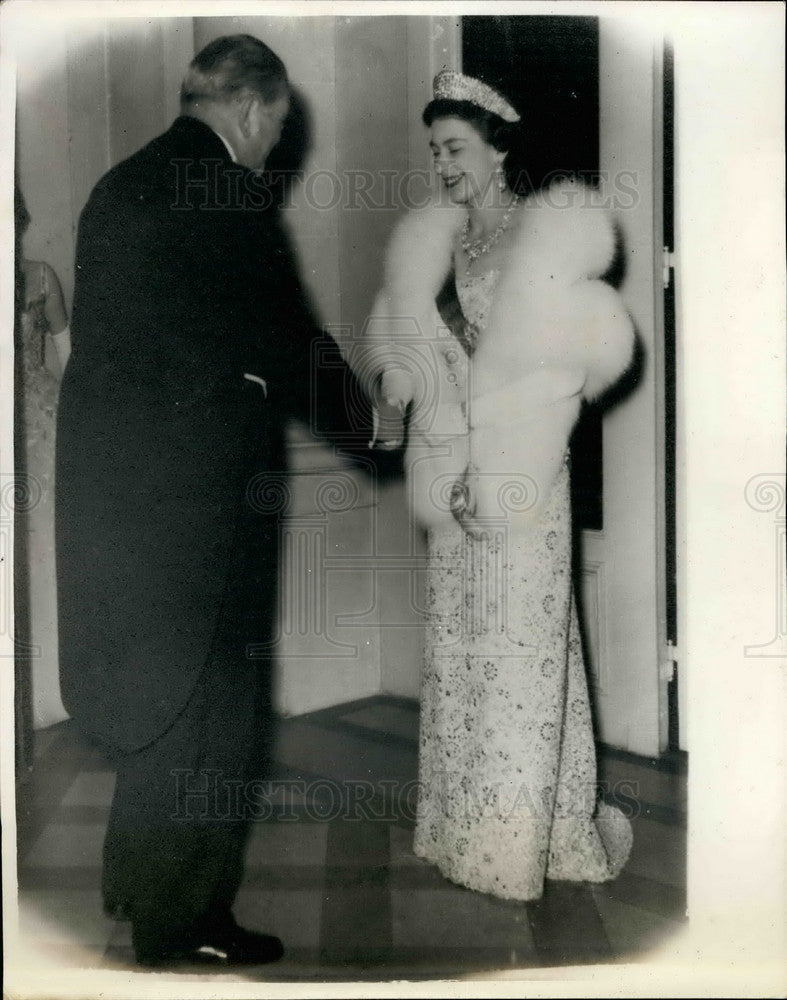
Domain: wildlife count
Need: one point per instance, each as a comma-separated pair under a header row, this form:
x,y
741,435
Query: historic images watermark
x,y
210,185
765,493
207,796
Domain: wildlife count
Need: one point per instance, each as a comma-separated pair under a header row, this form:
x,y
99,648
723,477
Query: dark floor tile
x,y
299,877
344,757
83,815
625,797
332,865
356,914
642,782
409,871
670,762
566,926
658,852
390,720
59,878
291,914
422,876
457,918
63,845
44,738
659,898
55,769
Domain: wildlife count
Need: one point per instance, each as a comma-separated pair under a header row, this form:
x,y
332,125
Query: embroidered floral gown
x,y
507,771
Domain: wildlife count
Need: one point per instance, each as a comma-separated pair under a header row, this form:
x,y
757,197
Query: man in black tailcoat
x,y
191,348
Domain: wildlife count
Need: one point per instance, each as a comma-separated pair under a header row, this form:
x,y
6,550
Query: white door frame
x,y
631,696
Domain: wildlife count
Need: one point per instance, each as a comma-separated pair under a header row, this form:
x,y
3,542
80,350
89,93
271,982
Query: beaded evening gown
x,y
40,389
507,775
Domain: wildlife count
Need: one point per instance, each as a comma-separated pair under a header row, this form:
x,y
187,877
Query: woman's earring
x,y
501,179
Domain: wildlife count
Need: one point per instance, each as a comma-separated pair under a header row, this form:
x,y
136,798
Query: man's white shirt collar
x,y
229,148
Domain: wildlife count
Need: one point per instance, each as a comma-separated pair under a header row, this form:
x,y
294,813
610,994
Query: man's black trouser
x,y
173,852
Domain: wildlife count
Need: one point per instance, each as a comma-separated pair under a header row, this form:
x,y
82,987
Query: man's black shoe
x,y
235,946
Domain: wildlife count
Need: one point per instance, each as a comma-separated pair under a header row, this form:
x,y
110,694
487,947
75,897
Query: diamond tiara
x,y
451,86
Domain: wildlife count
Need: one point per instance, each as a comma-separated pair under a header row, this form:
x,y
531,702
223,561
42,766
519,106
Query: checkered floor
x,y
330,867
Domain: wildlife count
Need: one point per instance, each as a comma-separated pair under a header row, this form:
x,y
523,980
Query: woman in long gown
x,y
492,327
42,324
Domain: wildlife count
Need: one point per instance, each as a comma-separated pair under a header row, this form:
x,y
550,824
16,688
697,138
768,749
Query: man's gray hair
x,y
231,65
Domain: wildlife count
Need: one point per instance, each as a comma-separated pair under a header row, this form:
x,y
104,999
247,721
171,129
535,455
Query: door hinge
x,y
667,266
669,665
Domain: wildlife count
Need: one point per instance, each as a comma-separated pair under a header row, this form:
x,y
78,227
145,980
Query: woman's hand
x,y
463,504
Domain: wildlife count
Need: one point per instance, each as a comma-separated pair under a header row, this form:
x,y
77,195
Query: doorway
x,y
591,98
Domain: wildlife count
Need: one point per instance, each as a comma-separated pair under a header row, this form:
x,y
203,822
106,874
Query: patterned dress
x,y
507,775
40,389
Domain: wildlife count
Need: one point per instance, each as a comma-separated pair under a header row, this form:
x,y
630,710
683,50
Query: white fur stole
x,y
556,333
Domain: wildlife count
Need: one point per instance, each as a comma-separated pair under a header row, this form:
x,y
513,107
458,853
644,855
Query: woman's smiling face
x,y
466,163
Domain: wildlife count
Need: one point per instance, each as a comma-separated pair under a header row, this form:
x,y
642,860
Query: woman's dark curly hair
x,y
533,157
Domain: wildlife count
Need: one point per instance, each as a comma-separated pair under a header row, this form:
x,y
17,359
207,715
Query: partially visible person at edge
x,y
43,343
191,349
516,328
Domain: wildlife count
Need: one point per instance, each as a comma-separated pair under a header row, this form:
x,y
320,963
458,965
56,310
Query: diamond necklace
x,y
474,248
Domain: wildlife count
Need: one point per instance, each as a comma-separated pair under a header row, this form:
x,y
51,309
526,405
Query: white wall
x,y
43,152
89,93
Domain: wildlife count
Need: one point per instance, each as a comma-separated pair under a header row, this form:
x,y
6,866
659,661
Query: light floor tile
x,y
74,917
287,843
121,934
48,960
631,929
401,841
91,788
65,845
294,916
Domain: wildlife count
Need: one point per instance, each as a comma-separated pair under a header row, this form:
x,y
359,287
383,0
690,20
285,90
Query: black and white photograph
x,y
392,513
